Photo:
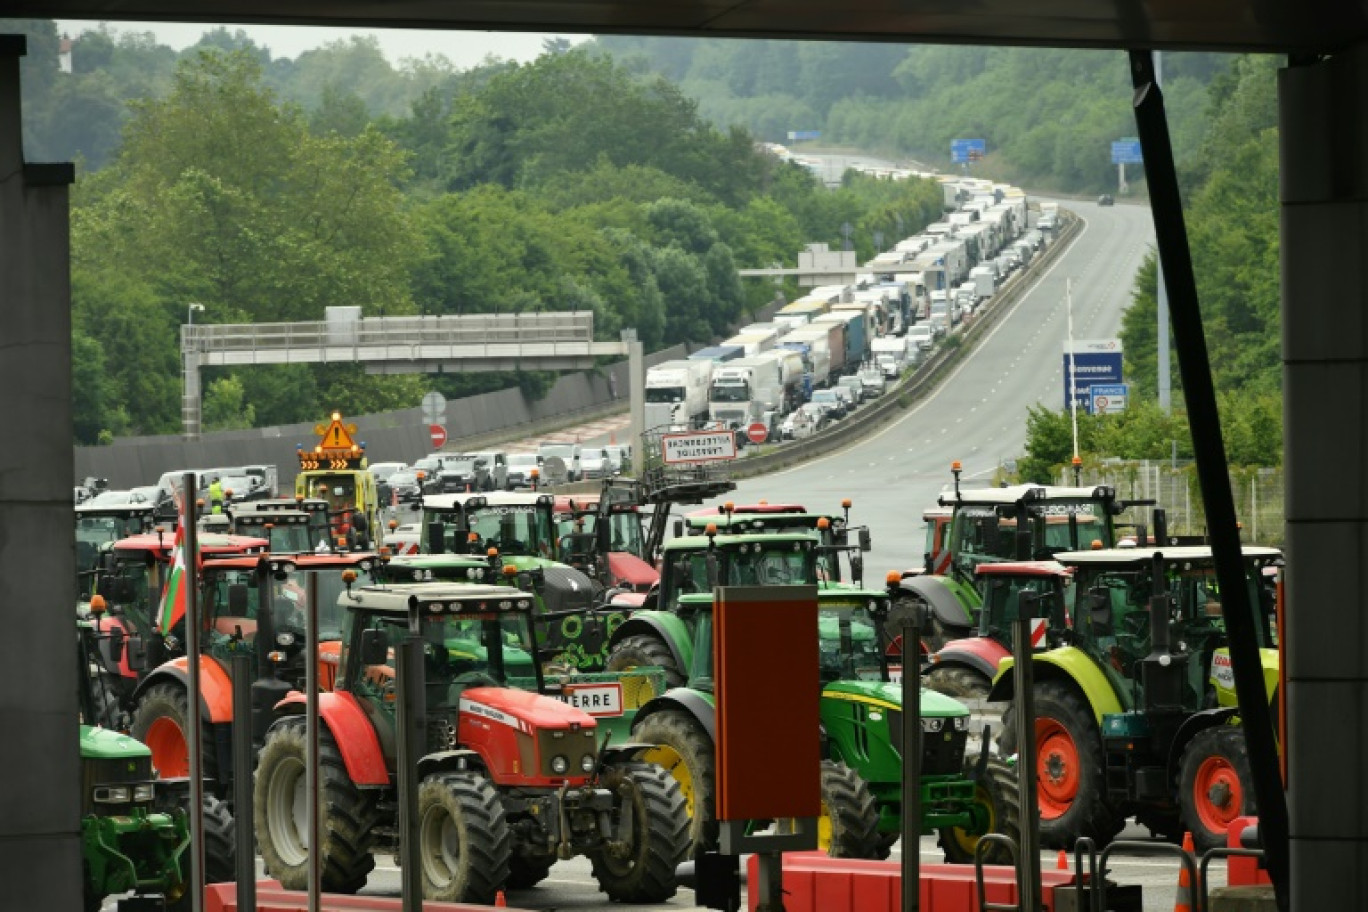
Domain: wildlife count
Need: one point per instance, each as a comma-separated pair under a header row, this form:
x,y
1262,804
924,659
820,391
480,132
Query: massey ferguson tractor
x,y
510,780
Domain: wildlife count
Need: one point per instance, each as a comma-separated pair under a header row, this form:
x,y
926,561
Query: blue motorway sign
x,y
964,150
1088,368
1126,152
800,135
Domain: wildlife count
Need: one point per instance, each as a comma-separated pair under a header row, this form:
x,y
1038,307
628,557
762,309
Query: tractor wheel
x,y
280,808
849,824
643,651
160,722
684,749
525,872
1007,736
463,838
220,849
643,870
997,809
1070,768
958,681
1215,784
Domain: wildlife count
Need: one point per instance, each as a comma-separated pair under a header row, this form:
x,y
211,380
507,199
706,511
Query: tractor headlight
x,y
559,764
111,794
285,639
961,723
144,793
587,763
932,725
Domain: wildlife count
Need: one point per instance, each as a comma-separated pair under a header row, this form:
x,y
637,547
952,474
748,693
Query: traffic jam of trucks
x,y
566,685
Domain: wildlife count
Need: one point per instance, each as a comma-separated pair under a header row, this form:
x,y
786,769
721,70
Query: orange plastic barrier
x,y
815,882
272,897
1243,871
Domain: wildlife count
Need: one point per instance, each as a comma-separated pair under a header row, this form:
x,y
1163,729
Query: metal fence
x,y
1258,494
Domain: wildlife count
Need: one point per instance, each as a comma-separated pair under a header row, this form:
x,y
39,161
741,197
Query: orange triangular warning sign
x,y
336,437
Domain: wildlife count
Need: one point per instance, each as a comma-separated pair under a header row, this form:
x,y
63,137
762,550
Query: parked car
x,y
621,456
847,396
804,421
1106,200
835,402
923,335
856,387
495,463
520,466
872,376
569,455
403,487
594,463
458,474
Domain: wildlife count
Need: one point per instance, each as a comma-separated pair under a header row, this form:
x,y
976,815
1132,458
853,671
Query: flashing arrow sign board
x,y
1109,398
336,449
701,446
965,150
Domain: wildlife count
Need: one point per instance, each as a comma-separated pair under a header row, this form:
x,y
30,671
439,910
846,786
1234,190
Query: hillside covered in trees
x,y
621,176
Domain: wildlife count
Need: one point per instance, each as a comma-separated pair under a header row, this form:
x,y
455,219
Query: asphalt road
x,y
978,414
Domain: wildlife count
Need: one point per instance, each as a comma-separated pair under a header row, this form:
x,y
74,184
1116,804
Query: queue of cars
x,y
495,470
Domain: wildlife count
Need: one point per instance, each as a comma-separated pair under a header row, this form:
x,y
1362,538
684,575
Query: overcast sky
x,y
464,49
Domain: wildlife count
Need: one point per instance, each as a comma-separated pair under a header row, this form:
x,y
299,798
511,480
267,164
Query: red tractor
x,y
253,604
510,780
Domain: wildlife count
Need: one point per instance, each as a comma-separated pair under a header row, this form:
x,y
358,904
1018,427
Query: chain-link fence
x,y
1258,494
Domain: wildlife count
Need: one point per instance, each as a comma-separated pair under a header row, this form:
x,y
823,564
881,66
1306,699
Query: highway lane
x,y
978,414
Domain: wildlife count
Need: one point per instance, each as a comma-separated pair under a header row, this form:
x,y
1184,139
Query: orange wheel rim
x,y
1216,794
1057,768
170,753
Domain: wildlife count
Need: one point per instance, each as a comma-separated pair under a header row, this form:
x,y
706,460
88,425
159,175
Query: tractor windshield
x,y
848,641
1002,600
515,529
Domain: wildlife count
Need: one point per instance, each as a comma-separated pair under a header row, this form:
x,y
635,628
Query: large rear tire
x,y
849,824
958,681
644,871
685,752
1071,770
1215,784
464,842
998,807
160,721
220,850
279,804
641,650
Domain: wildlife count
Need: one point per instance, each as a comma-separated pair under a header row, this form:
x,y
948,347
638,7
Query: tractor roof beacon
x,y
511,780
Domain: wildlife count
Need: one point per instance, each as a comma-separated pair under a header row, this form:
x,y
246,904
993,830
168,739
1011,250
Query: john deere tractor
x,y
134,829
861,710
1135,713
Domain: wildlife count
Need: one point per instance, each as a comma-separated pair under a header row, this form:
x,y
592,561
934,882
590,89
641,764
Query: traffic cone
x,y
499,901
1062,862
1182,901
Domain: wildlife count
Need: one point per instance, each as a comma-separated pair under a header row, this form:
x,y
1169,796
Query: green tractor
x,y
861,709
1135,713
134,828
1018,523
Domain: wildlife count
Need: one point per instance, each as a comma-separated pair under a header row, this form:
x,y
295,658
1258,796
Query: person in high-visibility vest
x,y
216,496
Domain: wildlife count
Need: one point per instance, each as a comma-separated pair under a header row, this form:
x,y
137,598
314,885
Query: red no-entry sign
x,y
438,436
757,433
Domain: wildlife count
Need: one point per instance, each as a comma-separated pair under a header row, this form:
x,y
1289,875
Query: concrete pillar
x,y
636,368
40,862
1324,194
191,396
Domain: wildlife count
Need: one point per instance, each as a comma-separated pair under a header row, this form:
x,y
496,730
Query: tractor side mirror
x,y
857,568
374,647
116,645
866,541
436,543
678,528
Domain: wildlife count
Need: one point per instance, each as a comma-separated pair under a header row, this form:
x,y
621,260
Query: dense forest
x,y
620,176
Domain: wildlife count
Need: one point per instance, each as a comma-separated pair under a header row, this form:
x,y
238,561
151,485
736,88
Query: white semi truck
x,y
677,393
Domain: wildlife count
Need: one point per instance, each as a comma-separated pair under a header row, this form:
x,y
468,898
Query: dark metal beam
x,y
1194,366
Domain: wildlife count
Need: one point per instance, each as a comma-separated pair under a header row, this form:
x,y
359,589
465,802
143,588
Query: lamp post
x,y
190,312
